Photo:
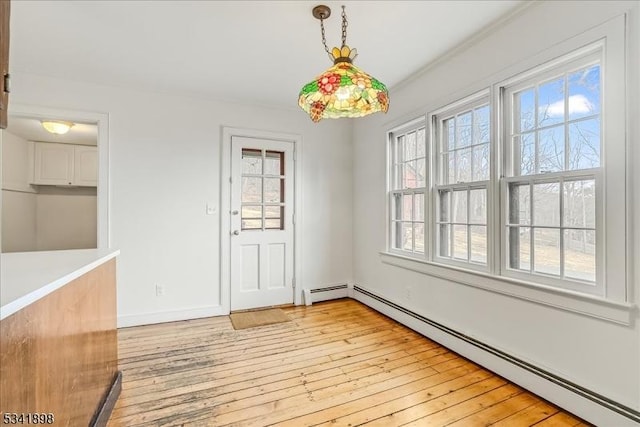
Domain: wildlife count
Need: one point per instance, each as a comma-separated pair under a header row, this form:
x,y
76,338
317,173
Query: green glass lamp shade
x,y
343,91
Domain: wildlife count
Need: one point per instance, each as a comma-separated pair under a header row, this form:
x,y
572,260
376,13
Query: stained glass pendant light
x,y
343,90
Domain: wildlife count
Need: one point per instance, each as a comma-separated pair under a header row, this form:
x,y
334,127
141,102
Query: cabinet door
x,y
85,166
53,164
5,7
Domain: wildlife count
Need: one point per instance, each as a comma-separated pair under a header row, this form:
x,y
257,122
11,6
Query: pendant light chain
x,y
344,27
324,39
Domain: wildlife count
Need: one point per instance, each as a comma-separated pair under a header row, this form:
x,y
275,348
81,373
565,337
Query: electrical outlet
x,y
159,290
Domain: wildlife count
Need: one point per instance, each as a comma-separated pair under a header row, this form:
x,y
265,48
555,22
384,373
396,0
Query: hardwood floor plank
x,y
336,363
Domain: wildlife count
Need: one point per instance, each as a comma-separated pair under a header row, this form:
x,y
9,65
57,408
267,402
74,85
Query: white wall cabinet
x,y
65,164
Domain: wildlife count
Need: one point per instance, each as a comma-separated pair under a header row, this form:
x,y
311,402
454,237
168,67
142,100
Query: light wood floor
x,y
337,363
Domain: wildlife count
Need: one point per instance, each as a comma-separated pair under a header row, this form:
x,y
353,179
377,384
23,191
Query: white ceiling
x,y
259,52
31,129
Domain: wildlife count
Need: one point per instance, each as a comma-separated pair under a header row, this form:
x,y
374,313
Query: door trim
x,y
225,208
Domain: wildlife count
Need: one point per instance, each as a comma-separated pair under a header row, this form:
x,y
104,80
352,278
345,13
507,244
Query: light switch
x,y
211,209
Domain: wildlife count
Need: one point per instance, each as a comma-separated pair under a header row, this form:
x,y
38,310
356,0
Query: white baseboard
x,y
587,404
325,293
127,320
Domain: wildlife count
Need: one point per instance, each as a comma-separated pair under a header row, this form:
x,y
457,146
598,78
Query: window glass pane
x,y
580,254
463,165
520,248
524,153
274,224
459,206
251,190
579,203
444,240
407,236
251,161
584,144
519,204
526,101
251,212
551,149
274,163
421,144
410,146
448,168
445,198
397,234
551,102
418,207
584,92
464,130
409,171
418,235
274,211
546,247
449,134
481,163
460,242
421,165
273,190
478,243
546,204
407,207
478,206
481,125
251,224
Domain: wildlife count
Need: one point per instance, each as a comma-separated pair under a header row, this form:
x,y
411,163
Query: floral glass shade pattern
x,y
343,90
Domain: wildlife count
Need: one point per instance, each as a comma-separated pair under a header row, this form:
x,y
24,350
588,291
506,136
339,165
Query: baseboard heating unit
x,y
583,402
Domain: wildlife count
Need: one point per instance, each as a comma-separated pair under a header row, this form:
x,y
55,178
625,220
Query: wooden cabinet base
x,y
59,355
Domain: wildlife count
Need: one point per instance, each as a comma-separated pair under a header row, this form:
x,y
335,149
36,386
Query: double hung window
x,y
408,181
524,180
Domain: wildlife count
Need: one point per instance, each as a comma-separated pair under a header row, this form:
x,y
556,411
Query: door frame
x,y
225,208
103,190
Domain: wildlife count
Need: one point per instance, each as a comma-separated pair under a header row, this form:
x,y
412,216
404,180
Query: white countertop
x,y
25,277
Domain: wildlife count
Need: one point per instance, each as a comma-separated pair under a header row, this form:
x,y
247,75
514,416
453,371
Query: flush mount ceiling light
x,y
56,126
343,90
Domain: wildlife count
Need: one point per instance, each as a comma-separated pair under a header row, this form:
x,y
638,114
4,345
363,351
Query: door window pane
x,y
251,161
249,211
273,190
274,163
251,190
251,224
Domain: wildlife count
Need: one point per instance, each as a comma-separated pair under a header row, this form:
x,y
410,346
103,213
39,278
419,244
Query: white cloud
x,y
577,104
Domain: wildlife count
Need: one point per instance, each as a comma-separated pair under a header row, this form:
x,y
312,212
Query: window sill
x,y
611,311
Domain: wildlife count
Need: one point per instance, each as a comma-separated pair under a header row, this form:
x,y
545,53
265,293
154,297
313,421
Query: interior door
x,y
262,222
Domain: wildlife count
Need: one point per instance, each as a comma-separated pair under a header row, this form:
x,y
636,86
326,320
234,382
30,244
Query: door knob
x,y
236,232
234,212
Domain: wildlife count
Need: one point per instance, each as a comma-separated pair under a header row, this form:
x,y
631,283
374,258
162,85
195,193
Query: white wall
x,y
66,218
599,355
164,168
18,197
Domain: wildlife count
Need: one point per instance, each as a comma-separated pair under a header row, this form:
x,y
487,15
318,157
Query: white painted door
x,y
262,235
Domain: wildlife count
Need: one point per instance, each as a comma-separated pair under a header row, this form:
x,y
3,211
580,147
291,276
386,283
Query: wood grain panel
x,y
337,363
59,354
